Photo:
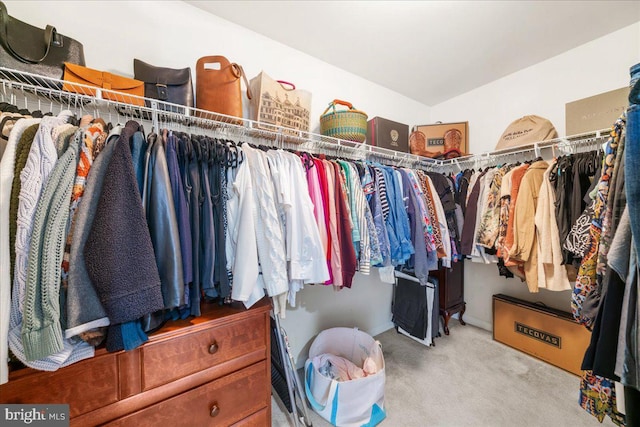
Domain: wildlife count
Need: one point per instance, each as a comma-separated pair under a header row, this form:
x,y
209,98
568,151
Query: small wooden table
x,y
451,289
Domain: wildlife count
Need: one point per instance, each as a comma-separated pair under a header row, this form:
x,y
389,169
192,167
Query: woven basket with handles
x,y
350,124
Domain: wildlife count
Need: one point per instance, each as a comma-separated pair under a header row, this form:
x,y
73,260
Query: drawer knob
x,y
213,348
215,410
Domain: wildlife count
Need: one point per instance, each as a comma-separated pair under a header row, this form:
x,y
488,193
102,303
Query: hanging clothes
x,y
160,212
241,237
41,328
470,218
525,246
318,200
11,156
269,233
40,163
178,190
478,252
347,250
489,228
86,316
552,275
305,253
128,281
162,219
332,204
586,282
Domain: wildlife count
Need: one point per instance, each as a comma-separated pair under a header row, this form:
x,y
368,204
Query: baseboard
x,y
478,323
381,328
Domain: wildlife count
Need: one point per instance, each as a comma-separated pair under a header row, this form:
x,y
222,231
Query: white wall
x,y
543,89
175,34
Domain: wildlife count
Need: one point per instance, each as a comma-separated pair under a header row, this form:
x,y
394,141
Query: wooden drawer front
x,y
236,396
85,386
168,360
259,419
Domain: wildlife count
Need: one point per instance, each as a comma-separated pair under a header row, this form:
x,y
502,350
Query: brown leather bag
x,y
219,89
74,73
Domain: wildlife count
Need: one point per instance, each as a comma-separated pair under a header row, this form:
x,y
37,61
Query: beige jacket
x,y
525,245
551,273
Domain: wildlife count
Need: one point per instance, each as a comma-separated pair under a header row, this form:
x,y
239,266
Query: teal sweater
x,y
41,330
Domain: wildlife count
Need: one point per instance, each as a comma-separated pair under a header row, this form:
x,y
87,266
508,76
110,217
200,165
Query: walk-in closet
x,y
316,213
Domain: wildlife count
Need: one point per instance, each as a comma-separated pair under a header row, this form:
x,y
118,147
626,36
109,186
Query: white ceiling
x,y
430,51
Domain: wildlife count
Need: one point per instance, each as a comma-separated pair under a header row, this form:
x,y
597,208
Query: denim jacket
x,y
397,221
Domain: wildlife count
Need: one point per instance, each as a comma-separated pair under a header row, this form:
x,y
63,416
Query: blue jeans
x,y
632,155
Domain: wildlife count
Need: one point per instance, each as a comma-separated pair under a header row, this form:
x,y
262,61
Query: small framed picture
x,y
440,140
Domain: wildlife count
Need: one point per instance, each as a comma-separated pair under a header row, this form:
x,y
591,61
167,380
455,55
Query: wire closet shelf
x,y
559,146
38,92
43,93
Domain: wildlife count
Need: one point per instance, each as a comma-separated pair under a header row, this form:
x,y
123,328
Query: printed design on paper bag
x,y
283,112
539,335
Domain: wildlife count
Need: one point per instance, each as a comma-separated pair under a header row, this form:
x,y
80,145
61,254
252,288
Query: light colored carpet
x,y
468,379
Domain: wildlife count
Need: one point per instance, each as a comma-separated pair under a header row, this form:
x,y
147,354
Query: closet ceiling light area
x,y
430,51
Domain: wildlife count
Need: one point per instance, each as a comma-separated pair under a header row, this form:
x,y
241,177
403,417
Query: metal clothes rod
x,y
34,89
18,86
570,143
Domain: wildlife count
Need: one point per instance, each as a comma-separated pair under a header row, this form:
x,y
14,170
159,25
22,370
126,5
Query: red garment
x,y
347,250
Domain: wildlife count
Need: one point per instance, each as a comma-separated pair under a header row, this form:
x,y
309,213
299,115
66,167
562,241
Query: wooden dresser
x,y
210,370
451,289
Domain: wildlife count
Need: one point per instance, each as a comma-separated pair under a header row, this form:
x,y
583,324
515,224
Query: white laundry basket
x,y
353,403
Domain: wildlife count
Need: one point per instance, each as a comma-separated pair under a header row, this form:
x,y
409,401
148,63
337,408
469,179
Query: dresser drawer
x,y
222,402
259,419
85,386
169,360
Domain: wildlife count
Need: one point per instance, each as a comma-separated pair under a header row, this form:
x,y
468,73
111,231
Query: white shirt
x,y
305,253
241,237
269,230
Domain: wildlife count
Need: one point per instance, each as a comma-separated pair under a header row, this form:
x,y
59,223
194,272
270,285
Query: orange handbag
x,y
218,88
74,73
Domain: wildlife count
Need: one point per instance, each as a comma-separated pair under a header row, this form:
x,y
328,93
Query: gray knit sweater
x,y
40,163
41,331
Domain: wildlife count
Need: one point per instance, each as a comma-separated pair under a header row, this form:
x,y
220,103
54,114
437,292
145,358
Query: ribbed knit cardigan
x,y
41,331
40,163
61,137
22,152
6,178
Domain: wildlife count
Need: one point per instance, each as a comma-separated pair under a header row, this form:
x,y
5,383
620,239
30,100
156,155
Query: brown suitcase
x,y
545,333
218,87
